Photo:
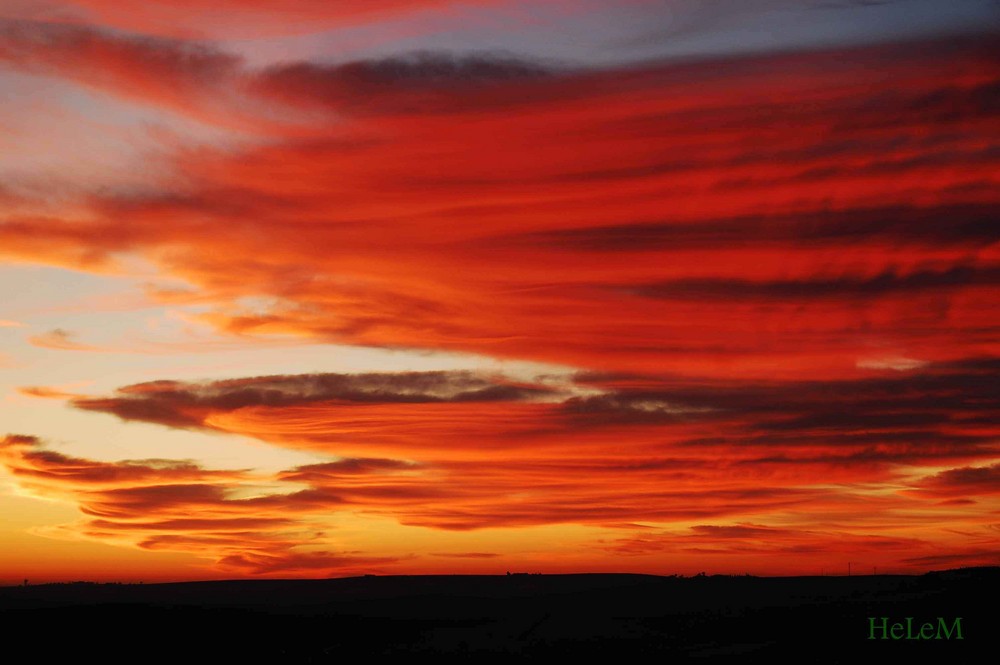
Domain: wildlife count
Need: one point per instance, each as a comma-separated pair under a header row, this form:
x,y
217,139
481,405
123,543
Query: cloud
x,y
46,392
855,427
178,404
300,562
929,412
813,244
348,466
174,73
60,340
738,531
419,82
962,482
897,226
753,542
27,459
899,364
196,79
713,244
867,288
445,451
178,506
247,18
468,555
967,558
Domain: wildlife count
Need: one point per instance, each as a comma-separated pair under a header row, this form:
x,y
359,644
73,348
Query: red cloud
x,y
761,216
722,246
247,18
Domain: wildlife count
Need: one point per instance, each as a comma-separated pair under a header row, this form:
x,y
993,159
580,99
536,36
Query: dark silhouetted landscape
x,y
512,617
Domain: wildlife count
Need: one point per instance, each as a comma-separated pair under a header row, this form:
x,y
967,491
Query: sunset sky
x,y
309,288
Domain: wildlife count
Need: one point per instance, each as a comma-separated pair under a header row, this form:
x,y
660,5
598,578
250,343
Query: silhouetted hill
x,y
819,619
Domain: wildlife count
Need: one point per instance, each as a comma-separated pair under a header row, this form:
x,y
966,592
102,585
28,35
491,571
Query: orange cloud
x,y
623,475
60,340
46,392
150,503
818,469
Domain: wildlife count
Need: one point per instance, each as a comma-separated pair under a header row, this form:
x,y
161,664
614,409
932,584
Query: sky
x,y
296,288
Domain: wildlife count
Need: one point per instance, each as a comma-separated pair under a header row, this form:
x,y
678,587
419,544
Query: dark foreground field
x,y
483,618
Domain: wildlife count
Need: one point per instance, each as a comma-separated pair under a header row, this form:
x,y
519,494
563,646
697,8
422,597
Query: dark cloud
x,y
419,69
895,226
848,286
185,405
933,413
420,82
971,386
967,558
348,467
962,482
262,563
31,462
